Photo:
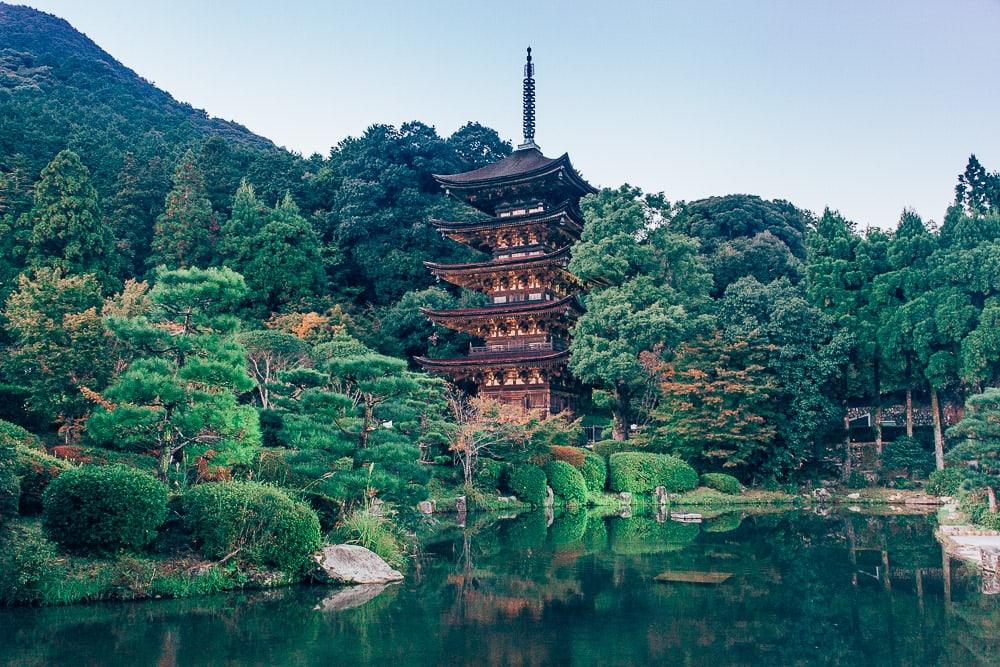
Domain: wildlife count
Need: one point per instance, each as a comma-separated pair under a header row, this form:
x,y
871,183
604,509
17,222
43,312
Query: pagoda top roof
x,y
506,263
521,165
516,308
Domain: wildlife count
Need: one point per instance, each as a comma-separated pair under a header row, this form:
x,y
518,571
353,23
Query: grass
x,y
375,532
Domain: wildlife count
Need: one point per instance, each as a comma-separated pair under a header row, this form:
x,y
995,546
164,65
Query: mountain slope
x,y
58,89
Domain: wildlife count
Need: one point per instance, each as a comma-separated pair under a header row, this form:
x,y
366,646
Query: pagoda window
x,y
499,299
535,296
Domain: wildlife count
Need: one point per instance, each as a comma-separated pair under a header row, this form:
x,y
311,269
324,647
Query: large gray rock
x,y
353,564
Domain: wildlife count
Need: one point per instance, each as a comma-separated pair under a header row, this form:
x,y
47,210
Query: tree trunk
x,y
877,381
991,494
368,425
909,412
847,443
622,416
938,433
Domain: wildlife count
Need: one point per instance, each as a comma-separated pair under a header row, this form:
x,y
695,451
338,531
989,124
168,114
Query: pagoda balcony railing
x,y
508,348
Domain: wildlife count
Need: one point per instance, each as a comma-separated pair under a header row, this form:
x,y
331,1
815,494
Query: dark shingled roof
x,y
524,161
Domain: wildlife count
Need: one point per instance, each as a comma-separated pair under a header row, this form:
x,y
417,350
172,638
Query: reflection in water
x,y
805,589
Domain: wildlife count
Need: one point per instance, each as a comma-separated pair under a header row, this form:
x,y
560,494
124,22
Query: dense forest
x,y
193,318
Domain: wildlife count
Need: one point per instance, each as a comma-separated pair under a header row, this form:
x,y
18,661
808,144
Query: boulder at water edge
x,y
353,564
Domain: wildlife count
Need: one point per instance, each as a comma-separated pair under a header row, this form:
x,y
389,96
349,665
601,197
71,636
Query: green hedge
x,y
37,470
104,508
640,472
10,482
606,448
567,482
947,482
721,482
527,482
260,523
595,472
488,474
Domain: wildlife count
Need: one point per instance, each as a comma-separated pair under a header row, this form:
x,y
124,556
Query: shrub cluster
x,y
947,482
567,482
488,474
259,523
104,508
595,472
571,455
26,561
527,482
606,448
10,483
37,470
721,482
641,472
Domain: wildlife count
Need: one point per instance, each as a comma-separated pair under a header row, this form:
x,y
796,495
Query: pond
x,y
774,589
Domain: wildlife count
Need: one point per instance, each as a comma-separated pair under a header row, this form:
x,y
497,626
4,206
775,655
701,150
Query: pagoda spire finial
x,y
529,104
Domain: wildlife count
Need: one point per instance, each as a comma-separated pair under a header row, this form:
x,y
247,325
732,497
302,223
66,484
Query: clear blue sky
x,y
863,105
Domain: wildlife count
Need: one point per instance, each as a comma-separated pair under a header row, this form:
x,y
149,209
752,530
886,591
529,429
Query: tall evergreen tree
x,y
68,231
186,232
978,191
140,189
282,262
909,252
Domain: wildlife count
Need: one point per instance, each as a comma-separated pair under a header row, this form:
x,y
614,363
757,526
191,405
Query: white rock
x,y
853,496
353,564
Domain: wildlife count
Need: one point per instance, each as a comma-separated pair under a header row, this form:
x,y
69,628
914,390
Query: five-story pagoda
x,y
533,204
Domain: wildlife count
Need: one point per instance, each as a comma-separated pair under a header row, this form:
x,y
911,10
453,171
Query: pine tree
x,y
68,231
979,448
179,397
186,232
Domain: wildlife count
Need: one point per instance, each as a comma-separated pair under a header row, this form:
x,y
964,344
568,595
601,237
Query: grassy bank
x,y
35,572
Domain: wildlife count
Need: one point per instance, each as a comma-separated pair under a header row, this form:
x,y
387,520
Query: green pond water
x,y
803,589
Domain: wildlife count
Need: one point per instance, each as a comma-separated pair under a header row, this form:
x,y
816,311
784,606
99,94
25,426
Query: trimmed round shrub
x,y
257,522
595,472
720,481
571,455
37,470
567,482
104,508
527,482
947,482
606,448
488,474
641,472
